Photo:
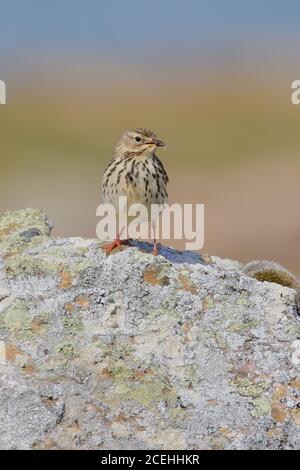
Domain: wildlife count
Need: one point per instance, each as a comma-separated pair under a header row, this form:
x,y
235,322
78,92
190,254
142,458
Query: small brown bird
x,y
136,172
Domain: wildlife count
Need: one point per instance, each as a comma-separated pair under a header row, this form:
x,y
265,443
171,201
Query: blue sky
x,y
135,26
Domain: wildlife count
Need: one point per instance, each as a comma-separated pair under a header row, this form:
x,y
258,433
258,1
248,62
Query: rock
x,y
182,351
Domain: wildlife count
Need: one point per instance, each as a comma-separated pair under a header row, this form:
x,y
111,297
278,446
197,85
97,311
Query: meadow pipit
x,y
136,172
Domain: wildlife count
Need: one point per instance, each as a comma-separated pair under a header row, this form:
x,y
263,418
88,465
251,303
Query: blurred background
x,y
211,78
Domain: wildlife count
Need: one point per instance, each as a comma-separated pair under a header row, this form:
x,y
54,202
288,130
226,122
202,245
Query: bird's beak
x,y
157,142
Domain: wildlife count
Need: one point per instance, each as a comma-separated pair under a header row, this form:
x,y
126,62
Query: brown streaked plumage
x,y
136,172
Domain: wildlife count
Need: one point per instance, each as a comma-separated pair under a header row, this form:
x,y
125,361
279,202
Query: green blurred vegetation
x,y
232,144
203,125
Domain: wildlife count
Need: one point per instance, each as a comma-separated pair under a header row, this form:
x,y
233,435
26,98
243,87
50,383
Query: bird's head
x,y
140,141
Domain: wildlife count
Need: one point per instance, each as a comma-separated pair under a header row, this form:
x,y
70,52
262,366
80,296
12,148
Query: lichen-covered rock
x,y
130,351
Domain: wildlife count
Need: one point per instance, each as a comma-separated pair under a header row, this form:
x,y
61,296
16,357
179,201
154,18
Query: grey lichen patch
x,y
140,363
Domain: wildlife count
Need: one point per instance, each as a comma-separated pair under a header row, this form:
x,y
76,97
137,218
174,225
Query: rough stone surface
x,y
131,352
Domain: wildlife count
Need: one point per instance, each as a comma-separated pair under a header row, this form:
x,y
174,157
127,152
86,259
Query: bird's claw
x,y
109,247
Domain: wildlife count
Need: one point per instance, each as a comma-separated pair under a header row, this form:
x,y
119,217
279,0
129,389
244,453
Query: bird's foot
x,y
109,247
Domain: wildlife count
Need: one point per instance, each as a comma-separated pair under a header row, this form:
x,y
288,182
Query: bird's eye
x,y
137,139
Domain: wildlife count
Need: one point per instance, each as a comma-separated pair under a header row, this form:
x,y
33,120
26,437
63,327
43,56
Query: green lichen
x,y
244,299
118,350
208,302
170,302
148,389
66,350
163,276
121,371
162,313
40,321
262,406
222,343
30,265
178,414
141,256
44,315
166,313
185,282
28,229
216,335
189,375
37,241
157,274
19,265
238,327
293,330
69,257
103,346
22,220
80,266
148,392
16,226
121,350
17,320
249,388
72,324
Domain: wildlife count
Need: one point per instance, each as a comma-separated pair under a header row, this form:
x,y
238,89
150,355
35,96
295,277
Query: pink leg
x,y
155,249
